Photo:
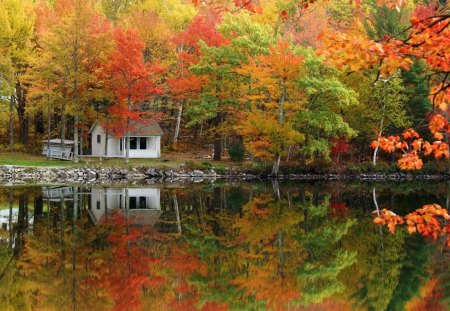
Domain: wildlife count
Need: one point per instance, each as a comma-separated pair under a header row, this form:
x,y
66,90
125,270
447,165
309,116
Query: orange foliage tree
x,y
267,127
130,80
430,221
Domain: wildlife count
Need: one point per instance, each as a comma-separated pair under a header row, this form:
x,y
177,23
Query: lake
x,y
219,246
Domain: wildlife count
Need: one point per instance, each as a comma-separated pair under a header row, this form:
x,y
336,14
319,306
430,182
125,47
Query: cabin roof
x,y
140,128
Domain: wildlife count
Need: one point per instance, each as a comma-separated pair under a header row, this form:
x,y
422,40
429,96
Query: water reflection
x,y
216,247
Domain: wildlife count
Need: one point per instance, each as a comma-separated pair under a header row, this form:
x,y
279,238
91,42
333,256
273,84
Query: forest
x,y
272,81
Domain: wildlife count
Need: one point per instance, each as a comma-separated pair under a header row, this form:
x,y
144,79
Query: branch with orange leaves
x,y
432,221
411,145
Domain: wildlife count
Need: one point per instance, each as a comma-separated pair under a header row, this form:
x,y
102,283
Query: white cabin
x,y
145,141
142,203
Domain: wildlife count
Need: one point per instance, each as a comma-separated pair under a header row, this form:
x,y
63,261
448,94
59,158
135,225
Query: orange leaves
x,y
440,96
388,144
430,221
440,149
354,52
410,159
388,218
437,124
410,133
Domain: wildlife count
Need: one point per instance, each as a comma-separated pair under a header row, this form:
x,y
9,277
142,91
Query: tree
x,y
16,32
268,127
218,101
185,85
130,80
73,41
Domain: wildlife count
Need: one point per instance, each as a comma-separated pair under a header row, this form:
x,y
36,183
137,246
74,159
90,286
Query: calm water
x,y
229,246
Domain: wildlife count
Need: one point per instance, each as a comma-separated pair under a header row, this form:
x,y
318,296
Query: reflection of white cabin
x,y
142,203
145,141
56,150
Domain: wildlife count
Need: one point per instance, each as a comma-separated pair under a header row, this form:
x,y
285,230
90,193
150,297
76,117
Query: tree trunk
x,y
217,147
10,225
63,121
177,213
380,133
127,147
49,126
288,157
75,97
177,127
75,139
11,123
21,113
127,142
276,164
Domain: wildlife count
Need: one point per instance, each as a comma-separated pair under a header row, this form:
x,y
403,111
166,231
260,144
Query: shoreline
x,y
101,175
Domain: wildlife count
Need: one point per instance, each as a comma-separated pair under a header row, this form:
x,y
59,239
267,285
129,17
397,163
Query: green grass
x,y
24,159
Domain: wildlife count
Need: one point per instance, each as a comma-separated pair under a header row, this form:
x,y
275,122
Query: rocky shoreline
x,y
102,175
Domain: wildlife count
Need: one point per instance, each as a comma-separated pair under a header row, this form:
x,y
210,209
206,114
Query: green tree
x,y
219,98
387,103
321,117
16,34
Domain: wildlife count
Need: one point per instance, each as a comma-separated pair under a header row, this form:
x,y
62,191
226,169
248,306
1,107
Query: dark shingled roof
x,y
145,128
139,128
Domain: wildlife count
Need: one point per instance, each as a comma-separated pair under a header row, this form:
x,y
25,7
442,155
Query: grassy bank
x,y
24,159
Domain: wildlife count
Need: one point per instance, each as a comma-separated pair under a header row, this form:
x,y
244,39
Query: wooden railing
x,y
58,154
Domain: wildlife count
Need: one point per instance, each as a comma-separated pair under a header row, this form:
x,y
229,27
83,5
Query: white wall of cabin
x,y
98,149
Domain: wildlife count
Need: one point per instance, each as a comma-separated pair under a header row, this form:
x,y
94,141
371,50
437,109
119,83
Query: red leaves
x,y
429,221
129,77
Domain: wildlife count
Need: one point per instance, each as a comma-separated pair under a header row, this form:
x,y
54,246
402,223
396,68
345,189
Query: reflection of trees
x,y
250,247
413,274
325,259
69,264
380,260
282,252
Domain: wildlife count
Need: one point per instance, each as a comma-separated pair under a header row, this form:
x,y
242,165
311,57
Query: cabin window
x,y
143,143
99,139
133,203
133,143
121,142
98,204
142,202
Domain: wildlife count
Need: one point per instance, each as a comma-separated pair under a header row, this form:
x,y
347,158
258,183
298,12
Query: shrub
x,y
220,170
236,153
